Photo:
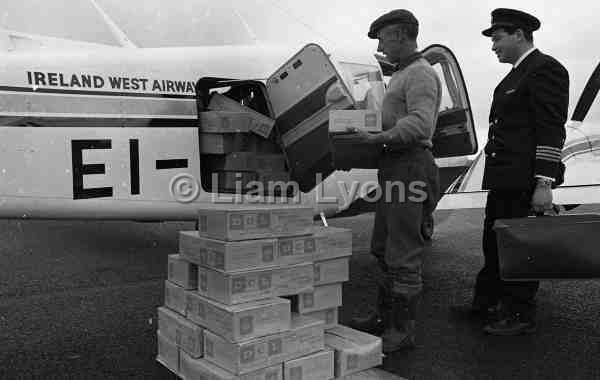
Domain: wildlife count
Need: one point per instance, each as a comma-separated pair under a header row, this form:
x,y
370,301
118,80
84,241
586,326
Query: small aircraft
x,y
99,131
95,131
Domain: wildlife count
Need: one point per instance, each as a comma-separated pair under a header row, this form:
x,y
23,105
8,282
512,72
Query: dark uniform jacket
x,y
527,124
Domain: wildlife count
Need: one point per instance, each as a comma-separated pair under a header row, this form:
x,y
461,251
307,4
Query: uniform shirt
x,y
521,58
412,102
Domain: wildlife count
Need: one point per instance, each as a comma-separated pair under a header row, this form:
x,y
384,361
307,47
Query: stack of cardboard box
x,y
237,144
253,294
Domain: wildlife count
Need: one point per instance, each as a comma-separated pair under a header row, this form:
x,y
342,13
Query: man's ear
x,y
520,34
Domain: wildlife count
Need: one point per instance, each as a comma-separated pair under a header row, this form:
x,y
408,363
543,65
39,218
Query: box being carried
x,y
343,120
254,221
240,322
260,124
305,337
354,350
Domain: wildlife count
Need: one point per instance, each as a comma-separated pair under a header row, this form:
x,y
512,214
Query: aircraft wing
x,y
13,41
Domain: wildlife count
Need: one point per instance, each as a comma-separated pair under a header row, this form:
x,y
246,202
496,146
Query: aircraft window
x,y
447,102
365,83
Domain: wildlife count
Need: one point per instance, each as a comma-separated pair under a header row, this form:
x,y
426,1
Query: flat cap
x,y
504,17
397,16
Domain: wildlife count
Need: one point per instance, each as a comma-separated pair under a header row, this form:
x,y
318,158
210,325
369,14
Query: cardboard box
x,y
293,279
244,286
332,271
202,369
263,182
332,242
321,298
174,297
261,124
240,322
317,366
237,180
296,250
222,143
182,272
227,256
305,337
342,120
354,350
225,122
168,353
254,221
329,316
247,161
185,334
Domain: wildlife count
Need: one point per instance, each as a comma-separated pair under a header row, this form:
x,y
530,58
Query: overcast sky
x,y
568,32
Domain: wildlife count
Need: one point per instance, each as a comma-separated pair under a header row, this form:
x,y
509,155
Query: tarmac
x,y
78,300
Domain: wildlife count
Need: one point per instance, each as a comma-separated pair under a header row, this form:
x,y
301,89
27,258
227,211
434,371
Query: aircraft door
x,y
455,131
302,92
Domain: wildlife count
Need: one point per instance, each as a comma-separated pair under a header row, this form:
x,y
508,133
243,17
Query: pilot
x,y
523,161
409,115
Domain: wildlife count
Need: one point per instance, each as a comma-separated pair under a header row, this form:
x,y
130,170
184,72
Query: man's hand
x,y
542,198
362,135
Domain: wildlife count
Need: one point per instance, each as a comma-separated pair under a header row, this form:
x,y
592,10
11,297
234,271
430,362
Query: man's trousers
x,y
516,296
409,184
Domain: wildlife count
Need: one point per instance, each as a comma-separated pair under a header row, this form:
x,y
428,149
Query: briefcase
x,y
549,247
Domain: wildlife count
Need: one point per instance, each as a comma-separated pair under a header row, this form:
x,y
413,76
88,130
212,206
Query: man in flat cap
x,y
523,160
409,113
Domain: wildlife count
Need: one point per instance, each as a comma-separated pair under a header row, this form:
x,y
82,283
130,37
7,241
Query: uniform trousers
x,y
515,296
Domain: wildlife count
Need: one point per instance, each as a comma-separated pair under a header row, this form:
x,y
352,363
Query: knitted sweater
x,y
411,104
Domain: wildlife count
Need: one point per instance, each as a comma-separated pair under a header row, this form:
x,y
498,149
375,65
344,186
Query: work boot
x,y
400,324
373,323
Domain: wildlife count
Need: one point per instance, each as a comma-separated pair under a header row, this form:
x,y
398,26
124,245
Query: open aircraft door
x,y
302,92
455,131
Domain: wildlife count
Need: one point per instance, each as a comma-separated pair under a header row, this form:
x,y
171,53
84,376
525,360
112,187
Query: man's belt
x,y
391,150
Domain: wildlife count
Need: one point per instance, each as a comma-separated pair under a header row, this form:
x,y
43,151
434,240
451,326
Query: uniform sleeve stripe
x,y
547,158
553,154
550,152
548,148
